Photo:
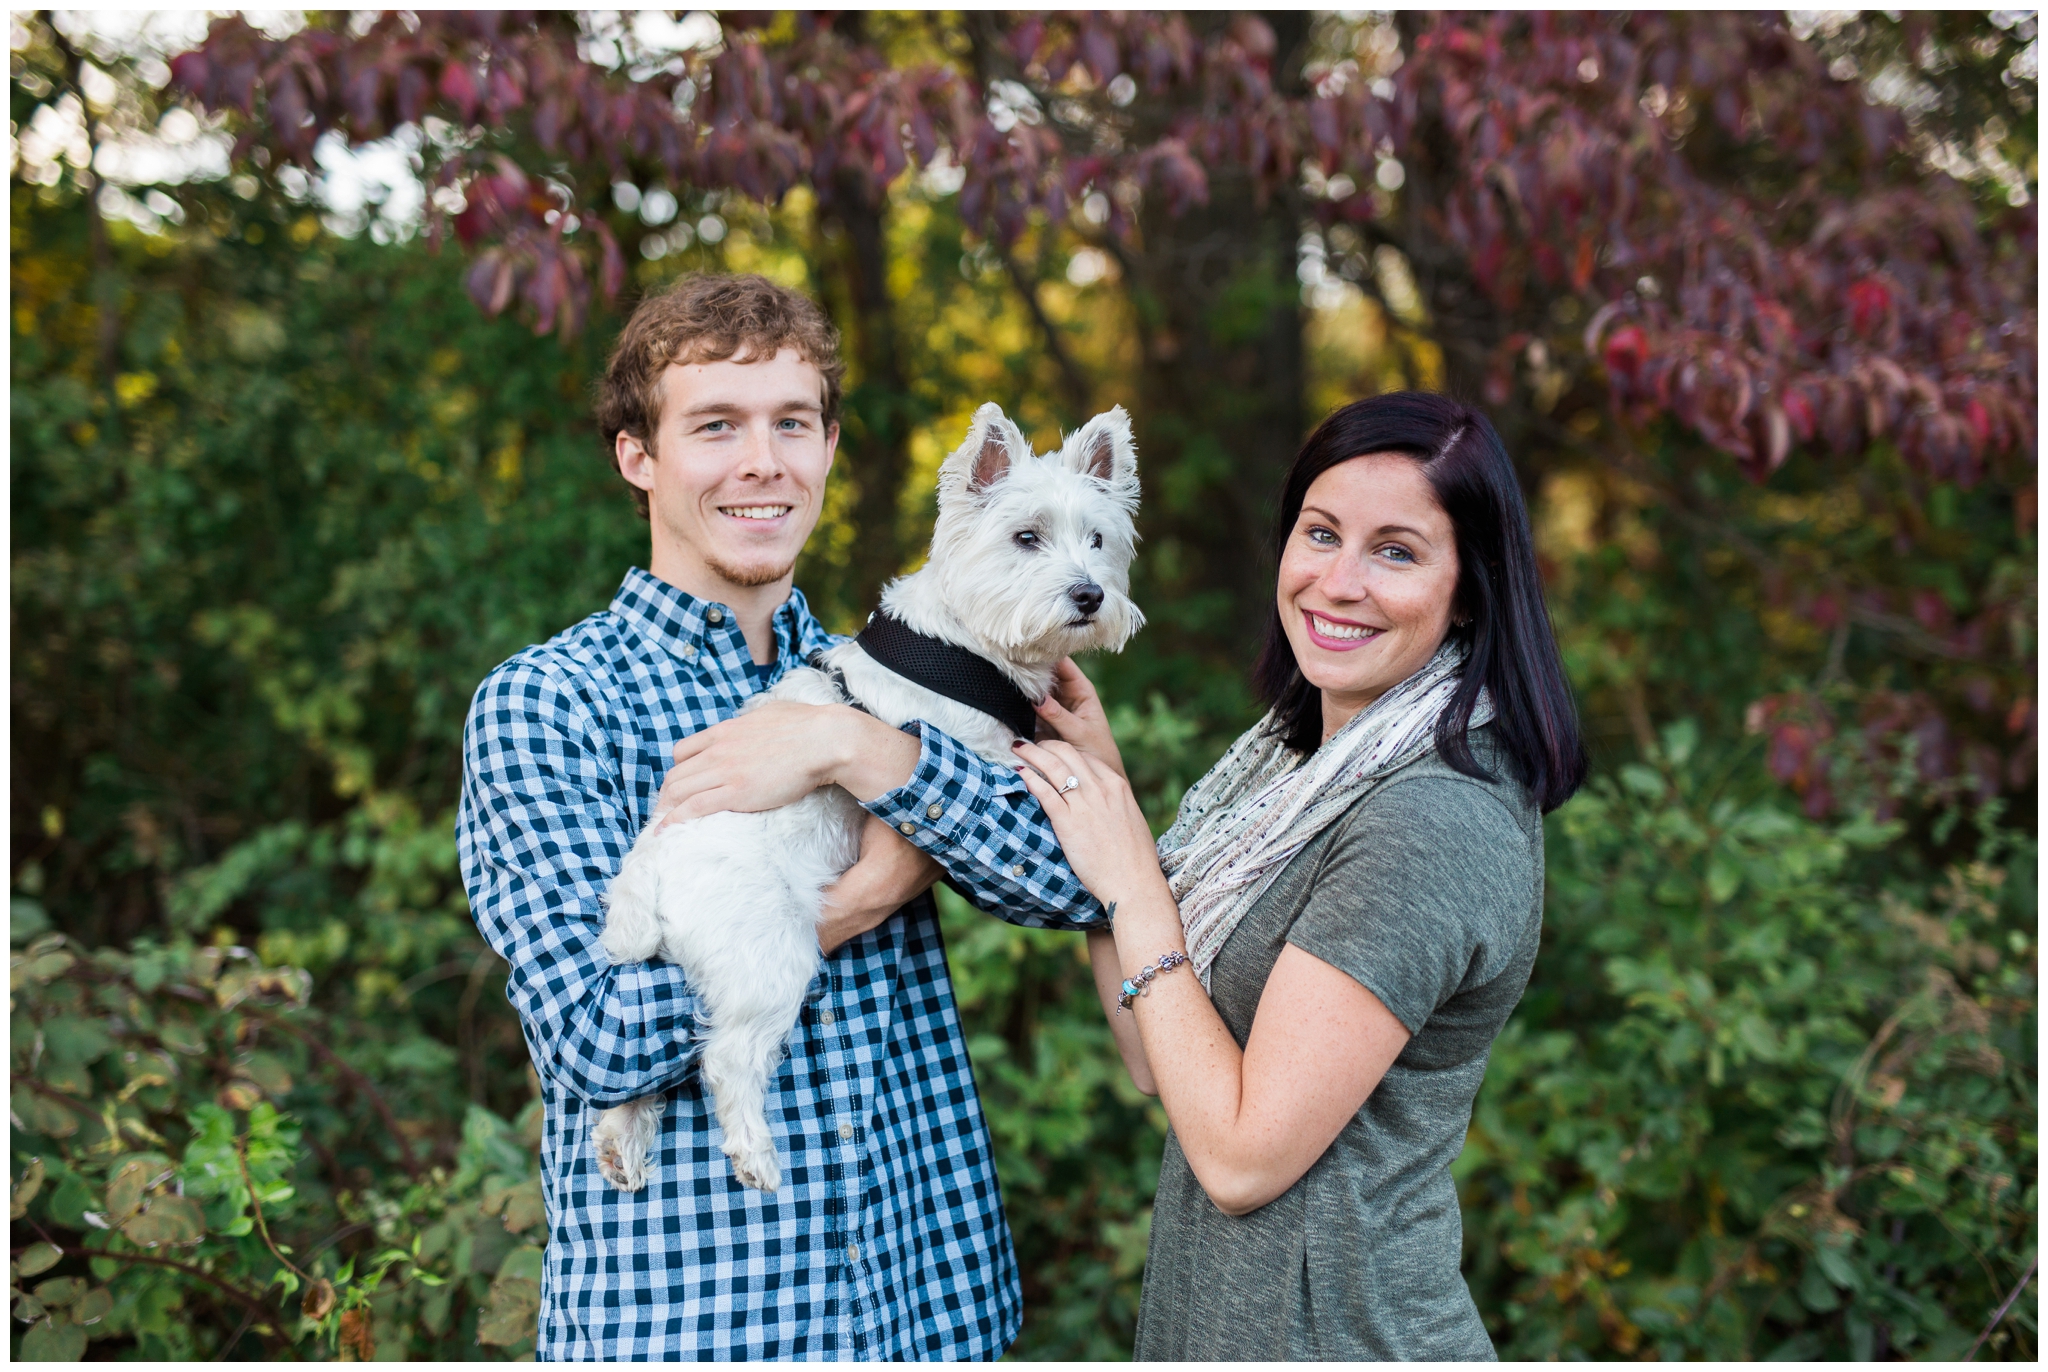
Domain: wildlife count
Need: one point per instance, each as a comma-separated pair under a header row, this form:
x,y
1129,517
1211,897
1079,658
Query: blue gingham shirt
x,y
887,1238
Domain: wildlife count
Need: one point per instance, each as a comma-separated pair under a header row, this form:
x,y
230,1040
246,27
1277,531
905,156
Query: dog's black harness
x,y
946,669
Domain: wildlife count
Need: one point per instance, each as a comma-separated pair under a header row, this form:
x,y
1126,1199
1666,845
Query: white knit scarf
x,y
1241,824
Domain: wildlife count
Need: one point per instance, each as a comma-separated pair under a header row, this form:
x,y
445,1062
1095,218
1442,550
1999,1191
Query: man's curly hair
x,y
708,318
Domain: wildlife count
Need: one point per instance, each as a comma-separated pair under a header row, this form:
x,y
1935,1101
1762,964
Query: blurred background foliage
x,y
282,495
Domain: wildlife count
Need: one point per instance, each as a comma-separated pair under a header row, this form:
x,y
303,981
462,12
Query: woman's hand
x,y
1074,713
1101,829
780,752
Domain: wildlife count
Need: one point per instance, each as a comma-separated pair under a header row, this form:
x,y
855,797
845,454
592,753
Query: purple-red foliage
x,y
1861,300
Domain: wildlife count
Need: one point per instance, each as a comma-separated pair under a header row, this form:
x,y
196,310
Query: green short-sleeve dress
x,y
1429,892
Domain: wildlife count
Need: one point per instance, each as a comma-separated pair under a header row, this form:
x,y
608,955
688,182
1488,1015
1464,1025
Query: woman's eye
x,y
1025,539
1396,553
1322,537
1095,542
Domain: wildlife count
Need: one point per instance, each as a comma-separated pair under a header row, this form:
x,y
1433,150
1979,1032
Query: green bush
x,y
1769,1096
178,1204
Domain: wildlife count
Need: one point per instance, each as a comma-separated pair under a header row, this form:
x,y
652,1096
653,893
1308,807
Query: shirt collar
x,y
689,627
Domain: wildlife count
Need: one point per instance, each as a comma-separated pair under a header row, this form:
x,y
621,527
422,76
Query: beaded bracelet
x,y
1140,985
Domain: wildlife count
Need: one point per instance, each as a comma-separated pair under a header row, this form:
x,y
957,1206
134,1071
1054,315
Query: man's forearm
x,y
874,758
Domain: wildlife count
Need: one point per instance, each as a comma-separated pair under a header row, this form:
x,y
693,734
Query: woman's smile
x,y
1337,635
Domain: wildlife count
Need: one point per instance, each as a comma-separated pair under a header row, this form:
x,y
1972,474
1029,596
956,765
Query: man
x,y
886,1238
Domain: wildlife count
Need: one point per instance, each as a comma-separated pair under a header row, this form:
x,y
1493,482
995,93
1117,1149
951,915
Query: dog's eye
x,y
1024,538
1095,542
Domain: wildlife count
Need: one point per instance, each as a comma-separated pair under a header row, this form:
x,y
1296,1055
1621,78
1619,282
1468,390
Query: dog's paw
x,y
756,1167
630,938
620,1158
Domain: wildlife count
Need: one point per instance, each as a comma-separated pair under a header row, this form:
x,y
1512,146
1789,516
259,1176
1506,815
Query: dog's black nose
x,y
1088,596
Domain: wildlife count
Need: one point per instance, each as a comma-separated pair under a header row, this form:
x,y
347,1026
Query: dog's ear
x,y
993,444
1103,448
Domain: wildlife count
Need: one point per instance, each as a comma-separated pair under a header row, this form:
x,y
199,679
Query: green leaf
x,y
26,1187
76,1041
268,1071
1835,1266
37,1257
71,1200
524,1206
60,1291
49,1341
27,918
41,1115
1755,1033
1644,781
524,1261
47,967
1724,878
94,1306
124,1192
1680,738
512,1313
169,1220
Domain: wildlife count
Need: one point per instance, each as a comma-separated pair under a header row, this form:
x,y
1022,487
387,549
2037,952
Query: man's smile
x,y
756,511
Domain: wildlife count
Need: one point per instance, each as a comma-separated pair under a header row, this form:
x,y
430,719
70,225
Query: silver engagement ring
x,y
1070,784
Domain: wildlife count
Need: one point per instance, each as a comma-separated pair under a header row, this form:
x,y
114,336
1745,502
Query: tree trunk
x,y
1219,413
875,423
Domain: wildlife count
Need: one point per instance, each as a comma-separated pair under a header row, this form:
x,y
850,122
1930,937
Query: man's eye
x,y
716,425
1024,538
792,425
1095,542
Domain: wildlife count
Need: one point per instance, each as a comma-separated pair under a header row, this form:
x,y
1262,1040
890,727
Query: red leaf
x,y
611,271
458,88
1799,412
1582,263
1868,302
1626,349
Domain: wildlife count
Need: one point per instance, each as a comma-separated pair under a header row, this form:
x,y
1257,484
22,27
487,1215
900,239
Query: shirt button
x,y
846,1132
934,810
714,615
824,1017
853,1252
907,827
1018,870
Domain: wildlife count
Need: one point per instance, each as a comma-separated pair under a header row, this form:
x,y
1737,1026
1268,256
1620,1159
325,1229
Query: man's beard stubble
x,y
759,574
756,574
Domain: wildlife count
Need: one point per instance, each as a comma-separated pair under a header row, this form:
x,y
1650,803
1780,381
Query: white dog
x,y
1029,562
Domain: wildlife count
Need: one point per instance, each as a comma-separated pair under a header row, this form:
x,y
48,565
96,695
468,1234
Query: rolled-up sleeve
x,y
543,825
990,835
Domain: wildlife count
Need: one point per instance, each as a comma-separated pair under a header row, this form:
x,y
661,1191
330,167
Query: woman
x,y
1349,903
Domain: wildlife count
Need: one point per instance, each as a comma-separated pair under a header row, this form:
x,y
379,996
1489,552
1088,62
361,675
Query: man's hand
x,y
889,875
781,752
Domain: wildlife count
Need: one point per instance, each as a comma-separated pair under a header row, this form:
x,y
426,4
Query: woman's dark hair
x,y
1499,596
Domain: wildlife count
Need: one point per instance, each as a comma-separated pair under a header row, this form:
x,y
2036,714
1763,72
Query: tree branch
x,y
251,1303
361,1083
1071,380
1999,1318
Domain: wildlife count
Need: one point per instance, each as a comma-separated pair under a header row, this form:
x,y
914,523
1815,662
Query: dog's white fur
x,y
734,899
